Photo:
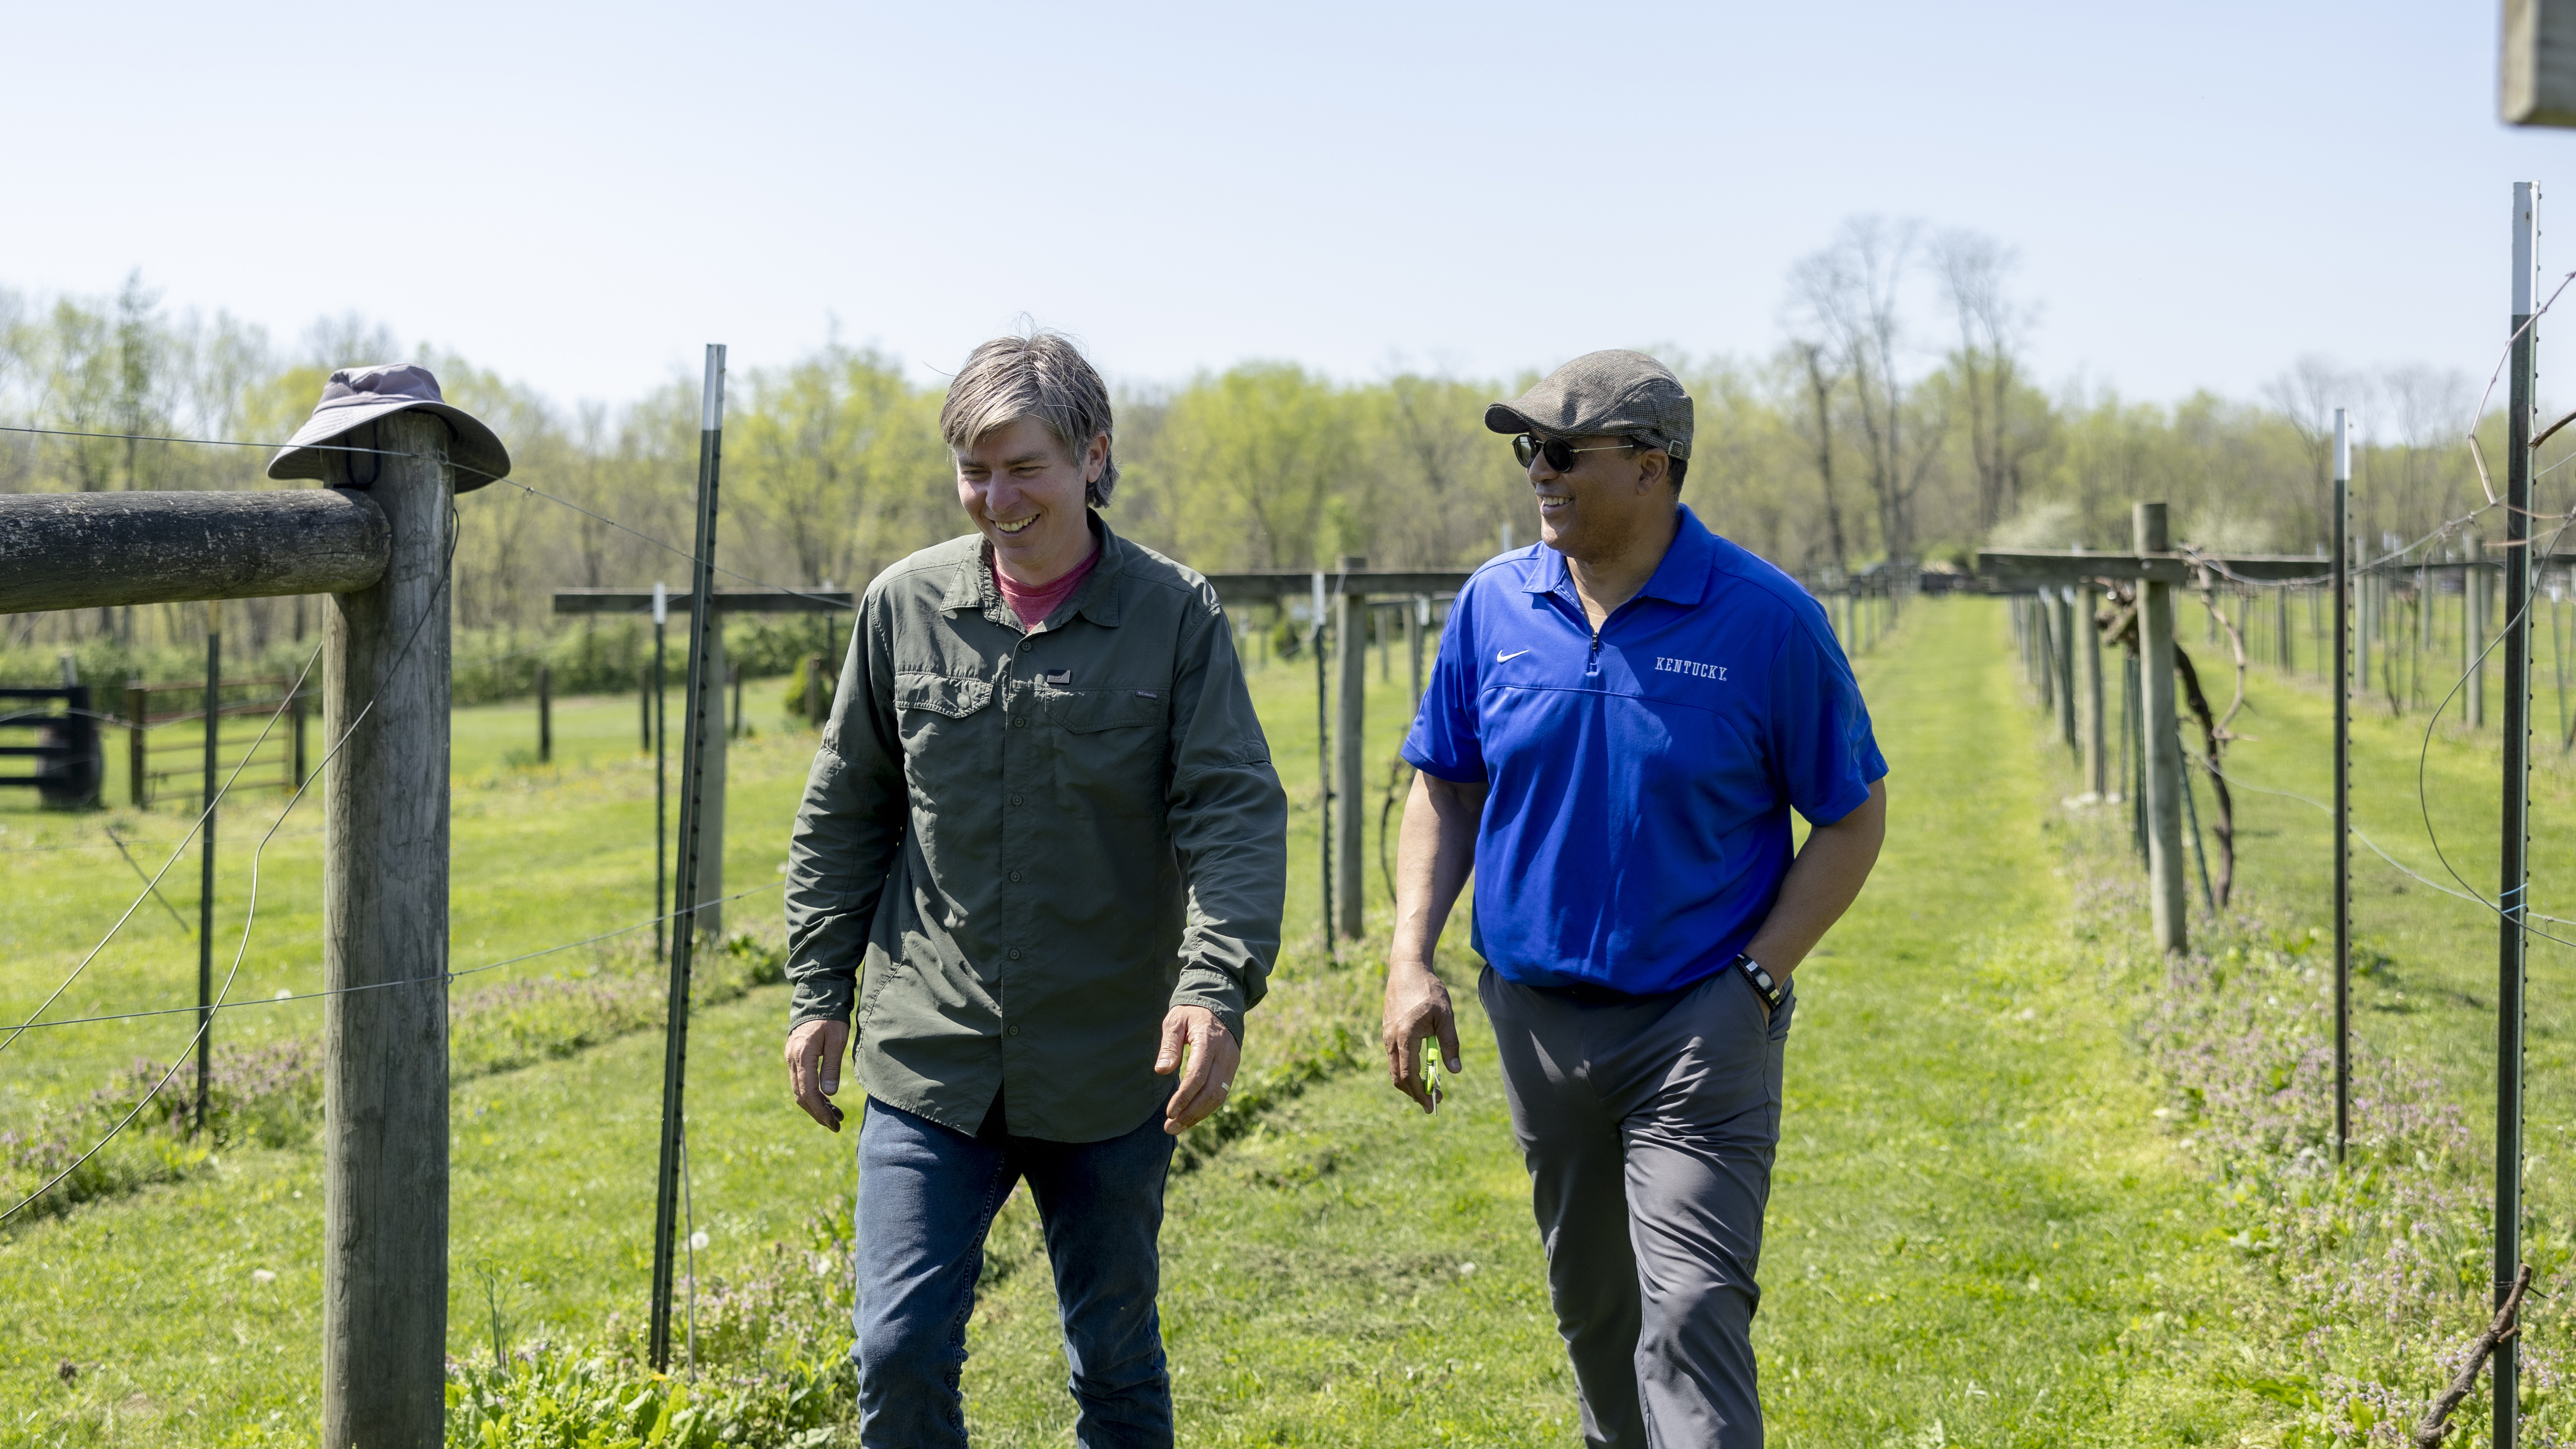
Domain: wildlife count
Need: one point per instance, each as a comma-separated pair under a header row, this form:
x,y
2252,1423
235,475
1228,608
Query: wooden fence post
x,y
2166,869
2043,657
545,715
136,781
2062,664
2096,772
384,1257
1350,628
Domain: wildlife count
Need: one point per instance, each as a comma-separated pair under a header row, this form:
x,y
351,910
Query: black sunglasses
x,y
1558,452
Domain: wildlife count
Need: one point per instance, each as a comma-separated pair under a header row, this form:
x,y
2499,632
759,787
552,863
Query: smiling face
x,y
1609,499
1026,498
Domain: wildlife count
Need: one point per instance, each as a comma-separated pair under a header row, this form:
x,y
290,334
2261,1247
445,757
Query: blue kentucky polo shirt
x,y
1637,825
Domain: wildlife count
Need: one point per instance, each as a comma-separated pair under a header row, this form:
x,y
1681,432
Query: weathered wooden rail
x,y
96,550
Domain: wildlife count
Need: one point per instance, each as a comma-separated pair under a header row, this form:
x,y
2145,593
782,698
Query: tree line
x,y
1899,420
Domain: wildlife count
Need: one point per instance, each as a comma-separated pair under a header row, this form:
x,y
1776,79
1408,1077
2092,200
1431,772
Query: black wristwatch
x,y
1769,990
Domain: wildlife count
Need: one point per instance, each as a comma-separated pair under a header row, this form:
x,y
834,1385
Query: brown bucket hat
x,y
1617,391
357,396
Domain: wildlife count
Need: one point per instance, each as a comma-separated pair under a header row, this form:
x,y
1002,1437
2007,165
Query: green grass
x,y
2427,988
1978,1234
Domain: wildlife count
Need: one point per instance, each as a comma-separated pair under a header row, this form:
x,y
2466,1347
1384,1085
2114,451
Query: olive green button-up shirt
x,y
1019,849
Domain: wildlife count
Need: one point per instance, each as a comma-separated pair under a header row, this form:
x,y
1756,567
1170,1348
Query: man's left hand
x,y
1213,1056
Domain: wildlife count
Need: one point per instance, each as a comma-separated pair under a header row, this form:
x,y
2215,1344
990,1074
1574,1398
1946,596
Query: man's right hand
x,y
1417,1007
815,1051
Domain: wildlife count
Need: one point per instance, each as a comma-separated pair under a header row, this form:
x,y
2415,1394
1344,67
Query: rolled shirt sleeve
x,y
1229,825
848,829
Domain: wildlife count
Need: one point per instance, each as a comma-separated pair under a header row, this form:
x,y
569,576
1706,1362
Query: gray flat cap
x,y
357,396
1616,391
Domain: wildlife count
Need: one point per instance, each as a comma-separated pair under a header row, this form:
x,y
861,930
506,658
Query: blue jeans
x,y
927,1195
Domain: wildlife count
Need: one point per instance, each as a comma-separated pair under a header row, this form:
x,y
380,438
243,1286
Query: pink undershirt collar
x,y
1033,605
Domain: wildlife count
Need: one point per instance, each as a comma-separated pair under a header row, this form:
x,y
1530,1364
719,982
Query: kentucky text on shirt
x,y
1690,666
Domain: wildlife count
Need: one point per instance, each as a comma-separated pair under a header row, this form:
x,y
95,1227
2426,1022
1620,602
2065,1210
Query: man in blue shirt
x,y
1621,719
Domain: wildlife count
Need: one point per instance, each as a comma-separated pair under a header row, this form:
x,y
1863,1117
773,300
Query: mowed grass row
x,y
1976,1233
1976,1236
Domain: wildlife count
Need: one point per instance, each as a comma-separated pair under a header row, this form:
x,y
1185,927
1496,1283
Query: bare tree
x,y
1974,270
1849,296
1818,429
2306,396
2429,406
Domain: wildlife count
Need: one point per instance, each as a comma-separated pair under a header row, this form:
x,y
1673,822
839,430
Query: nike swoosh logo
x,y
1500,658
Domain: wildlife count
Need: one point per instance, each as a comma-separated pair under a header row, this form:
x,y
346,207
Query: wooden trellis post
x,y
2155,570
2063,664
1343,768
2166,894
2096,773
1350,766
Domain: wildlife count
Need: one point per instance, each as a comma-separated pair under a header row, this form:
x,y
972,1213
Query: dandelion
x,y
262,1275
1466,1270
698,1240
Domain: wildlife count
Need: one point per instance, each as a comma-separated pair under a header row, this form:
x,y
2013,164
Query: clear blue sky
x,y
581,196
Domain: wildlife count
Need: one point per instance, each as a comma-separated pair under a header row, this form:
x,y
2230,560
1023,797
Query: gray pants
x,y
1648,1125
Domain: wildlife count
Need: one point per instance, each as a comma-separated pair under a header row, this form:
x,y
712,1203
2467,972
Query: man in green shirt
x,y
1044,821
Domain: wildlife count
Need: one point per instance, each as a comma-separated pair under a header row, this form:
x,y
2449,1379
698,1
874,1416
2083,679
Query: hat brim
x,y
474,449
1504,418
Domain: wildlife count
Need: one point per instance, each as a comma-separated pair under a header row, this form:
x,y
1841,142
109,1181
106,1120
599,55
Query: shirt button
x,y
1017,724
1015,875
1015,955
1027,644
1015,799
1013,1031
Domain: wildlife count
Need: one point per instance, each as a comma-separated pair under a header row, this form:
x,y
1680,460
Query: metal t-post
x,y
2167,872
658,708
702,714
206,858
384,892
2513,903
545,714
2342,783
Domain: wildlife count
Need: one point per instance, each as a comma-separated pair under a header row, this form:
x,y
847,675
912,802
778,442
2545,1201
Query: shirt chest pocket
x,y
931,709
1110,748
